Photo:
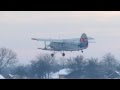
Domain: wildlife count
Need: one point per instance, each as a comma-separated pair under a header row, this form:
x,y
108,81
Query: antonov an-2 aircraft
x,y
74,44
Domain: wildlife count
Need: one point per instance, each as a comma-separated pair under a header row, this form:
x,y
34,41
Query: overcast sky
x,y
18,27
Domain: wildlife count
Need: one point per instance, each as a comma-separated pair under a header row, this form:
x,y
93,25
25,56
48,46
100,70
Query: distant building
x,y
60,74
114,75
74,75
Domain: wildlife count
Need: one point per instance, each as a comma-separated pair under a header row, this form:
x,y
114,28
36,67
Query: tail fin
x,y
84,41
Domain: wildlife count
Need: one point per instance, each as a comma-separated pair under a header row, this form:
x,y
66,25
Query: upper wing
x,y
49,40
61,40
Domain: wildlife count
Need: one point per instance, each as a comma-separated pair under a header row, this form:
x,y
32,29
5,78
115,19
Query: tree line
x,y
42,66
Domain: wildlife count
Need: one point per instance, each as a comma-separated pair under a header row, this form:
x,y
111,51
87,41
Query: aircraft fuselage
x,y
68,46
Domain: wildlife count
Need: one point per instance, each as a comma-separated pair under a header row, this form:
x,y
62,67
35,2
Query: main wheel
x,y
82,51
52,55
63,54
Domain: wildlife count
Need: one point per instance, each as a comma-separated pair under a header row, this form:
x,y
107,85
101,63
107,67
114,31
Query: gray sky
x,y
18,27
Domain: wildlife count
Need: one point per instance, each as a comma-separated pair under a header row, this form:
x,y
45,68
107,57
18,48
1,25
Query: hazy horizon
x,y
18,27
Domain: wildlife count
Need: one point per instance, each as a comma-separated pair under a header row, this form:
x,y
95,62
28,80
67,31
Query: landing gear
x,y
63,54
52,54
82,51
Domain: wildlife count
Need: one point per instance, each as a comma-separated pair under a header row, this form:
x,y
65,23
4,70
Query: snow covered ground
x,y
62,71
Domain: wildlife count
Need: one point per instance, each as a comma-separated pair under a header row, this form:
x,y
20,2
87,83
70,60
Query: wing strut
x,y
45,44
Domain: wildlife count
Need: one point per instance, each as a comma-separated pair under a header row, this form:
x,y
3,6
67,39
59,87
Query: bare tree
x,y
109,64
76,63
77,66
93,69
110,61
21,70
7,57
43,66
